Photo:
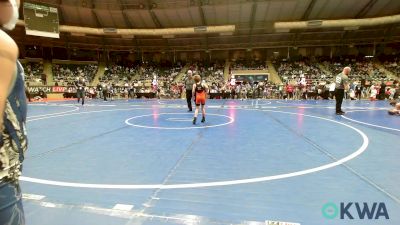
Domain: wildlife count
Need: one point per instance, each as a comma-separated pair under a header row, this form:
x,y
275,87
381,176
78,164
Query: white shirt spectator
x,y
332,86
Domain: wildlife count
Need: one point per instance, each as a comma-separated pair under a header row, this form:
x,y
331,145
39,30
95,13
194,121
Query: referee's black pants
x,y
80,94
105,95
189,99
339,95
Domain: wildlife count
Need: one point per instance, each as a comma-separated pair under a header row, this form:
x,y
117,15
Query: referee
x,y
188,86
80,89
342,83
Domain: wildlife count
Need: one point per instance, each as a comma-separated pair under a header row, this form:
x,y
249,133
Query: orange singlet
x,y
200,94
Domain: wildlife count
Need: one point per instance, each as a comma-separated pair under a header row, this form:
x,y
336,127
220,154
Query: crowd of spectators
x,y
165,73
361,68
368,78
118,74
66,74
293,71
160,79
140,80
391,64
211,72
248,65
34,73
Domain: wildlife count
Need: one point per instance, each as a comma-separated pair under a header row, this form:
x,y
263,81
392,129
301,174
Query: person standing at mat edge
x,y
80,89
342,84
189,85
13,107
199,92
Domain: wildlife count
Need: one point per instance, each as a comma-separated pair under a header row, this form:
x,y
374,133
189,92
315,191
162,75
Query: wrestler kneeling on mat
x,y
199,92
395,110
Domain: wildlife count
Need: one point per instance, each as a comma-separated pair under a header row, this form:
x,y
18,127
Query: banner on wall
x,y
51,89
57,89
37,89
64,89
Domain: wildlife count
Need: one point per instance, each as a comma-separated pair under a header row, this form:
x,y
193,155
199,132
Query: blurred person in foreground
x,y
13,106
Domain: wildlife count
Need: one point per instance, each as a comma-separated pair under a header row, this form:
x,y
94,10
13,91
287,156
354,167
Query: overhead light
x,y
351,28
110,30
200,29
369,56
282,30
226,34
78,34
168,36
314,23
128,36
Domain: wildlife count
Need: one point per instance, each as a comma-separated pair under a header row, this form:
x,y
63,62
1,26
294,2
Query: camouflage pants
x,y
11,211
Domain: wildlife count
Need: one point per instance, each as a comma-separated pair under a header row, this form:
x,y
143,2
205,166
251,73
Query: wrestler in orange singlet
x,y
199,92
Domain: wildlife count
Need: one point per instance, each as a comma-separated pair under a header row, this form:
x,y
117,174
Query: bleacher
x,y
361,68
34,73
66,74
248,65
165,73
210,72
317,71
391,64
291,71
119,74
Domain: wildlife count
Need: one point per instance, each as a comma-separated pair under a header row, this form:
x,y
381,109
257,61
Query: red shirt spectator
x,y
289,88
